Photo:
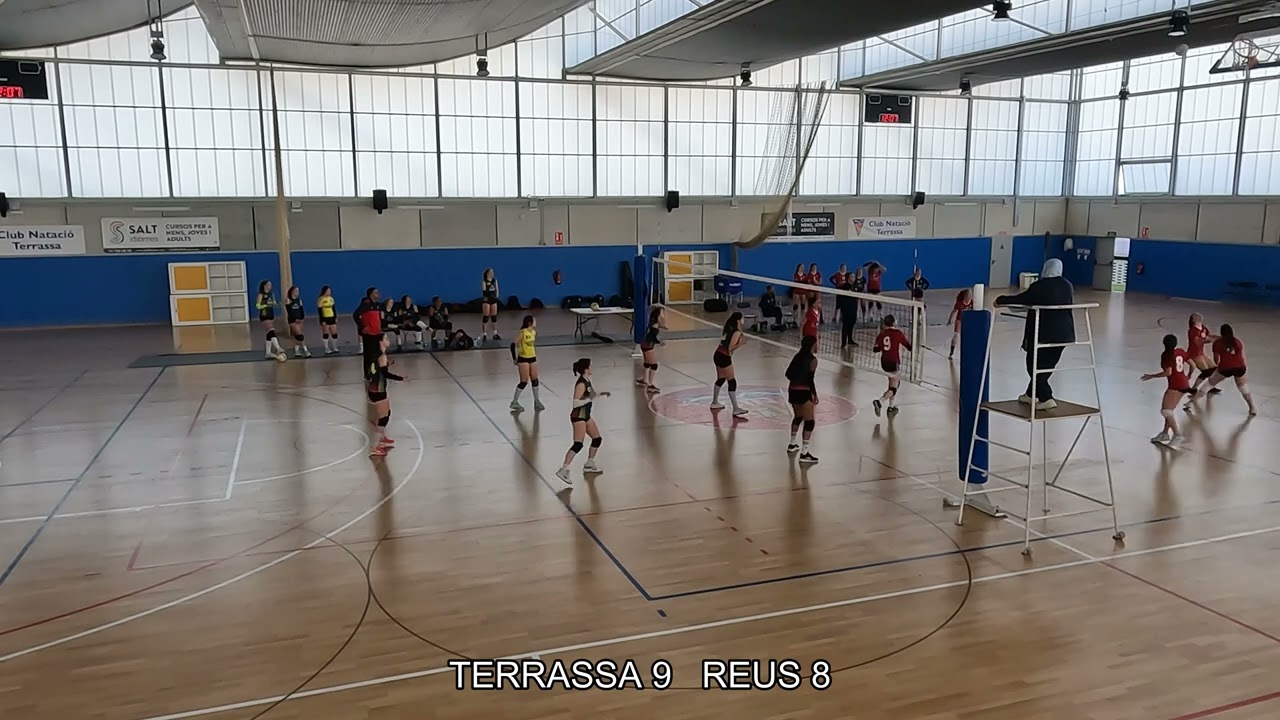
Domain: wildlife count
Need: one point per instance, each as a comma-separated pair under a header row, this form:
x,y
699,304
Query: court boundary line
x,y
42,408
324,537
22,553
727,622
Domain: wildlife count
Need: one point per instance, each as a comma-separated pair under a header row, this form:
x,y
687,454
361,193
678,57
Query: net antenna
x,y
794,120
1250,51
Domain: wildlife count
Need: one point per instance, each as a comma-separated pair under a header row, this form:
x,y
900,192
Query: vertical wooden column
x,y
282,210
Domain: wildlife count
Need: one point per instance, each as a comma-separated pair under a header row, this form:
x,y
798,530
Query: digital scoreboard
x,y
23,80
888,109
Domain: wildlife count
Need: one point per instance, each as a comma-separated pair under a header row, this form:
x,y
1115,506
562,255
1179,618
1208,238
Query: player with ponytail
x,y
1228,353
584,426
1174,365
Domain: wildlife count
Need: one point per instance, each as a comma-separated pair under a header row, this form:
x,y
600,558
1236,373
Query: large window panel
x,y
215,132
851,60
940,162
395,130
767,141
832,167
541,53
31,148
187,39
555,139
821,68
629,140
1207,137
1091,13
1101,81
1199,60
886,159
700,129
1044,149
1160,72
579,36
1145,177
901,48
1052,86
478,138
115,135
1148,126
132,45
1260,159
315,133
993,147
974,31
1095,165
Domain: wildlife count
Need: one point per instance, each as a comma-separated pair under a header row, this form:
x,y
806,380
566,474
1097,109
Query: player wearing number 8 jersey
x,y
889,344
1174,365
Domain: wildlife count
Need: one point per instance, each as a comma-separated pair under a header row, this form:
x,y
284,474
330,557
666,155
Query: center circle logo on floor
x,y
768,406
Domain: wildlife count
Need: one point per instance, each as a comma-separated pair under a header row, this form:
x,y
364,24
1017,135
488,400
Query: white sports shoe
x,y
1049,404
717,406
592,466
1162,439
1024,399
563,474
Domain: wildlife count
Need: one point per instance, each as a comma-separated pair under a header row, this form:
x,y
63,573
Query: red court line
x,y
1209,712
175,578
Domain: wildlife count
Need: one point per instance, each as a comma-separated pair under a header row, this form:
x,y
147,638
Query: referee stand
x,y
975,439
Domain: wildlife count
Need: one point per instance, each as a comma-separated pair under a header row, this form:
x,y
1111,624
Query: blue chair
x,y
729,289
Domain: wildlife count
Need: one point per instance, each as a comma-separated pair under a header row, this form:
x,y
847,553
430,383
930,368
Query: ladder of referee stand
x,y
1065,411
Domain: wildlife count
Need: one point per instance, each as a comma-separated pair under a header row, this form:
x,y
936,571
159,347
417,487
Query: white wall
x,y
1213,221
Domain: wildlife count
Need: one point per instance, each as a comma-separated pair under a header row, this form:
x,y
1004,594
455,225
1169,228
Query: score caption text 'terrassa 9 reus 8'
x,y
713,674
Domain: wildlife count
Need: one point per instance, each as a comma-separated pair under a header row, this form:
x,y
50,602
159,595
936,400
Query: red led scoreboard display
x,y
889,109
23,80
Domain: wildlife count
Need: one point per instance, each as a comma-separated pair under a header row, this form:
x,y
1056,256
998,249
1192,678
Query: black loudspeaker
x,y
380,200
4,206
673,200
917,200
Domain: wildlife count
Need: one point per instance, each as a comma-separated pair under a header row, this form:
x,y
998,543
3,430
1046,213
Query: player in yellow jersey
x,y
526,359
328,320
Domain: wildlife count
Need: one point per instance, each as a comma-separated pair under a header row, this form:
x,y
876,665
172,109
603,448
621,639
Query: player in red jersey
x,y
1228,351
1197,335
811,320
815,278
875,275
837,281
964,301
1174,364
889,343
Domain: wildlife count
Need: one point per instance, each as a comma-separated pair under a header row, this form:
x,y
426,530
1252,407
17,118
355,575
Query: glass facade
x,y
119,125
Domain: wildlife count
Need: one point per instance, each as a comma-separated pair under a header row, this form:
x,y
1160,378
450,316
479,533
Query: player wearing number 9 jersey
x,y
889,344
1174,365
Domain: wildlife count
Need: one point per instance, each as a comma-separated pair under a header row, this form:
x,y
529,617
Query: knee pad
x,y
575,448
1167,413
271,334
534,382
522,385
597,442
893,391
733,384
809,425
298,337
324,335
719,382
795,422
384,420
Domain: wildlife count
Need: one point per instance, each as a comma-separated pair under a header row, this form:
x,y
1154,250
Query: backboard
x,y
1250,51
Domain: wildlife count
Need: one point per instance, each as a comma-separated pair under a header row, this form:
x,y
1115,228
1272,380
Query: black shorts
x,y
722,360
329,322
574,419
917,294
1231,372
440,324
528,360
266,316
1184,391
888,366
489,300
874,292
297,319
799,397
646,347
377,397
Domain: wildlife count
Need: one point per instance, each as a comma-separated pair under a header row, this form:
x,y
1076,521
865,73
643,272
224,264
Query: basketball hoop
x,y
1249,51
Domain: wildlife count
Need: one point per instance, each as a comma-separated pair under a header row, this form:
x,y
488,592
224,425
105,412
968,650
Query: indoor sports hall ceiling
x,y
41,23
1211,24
714,41
370,33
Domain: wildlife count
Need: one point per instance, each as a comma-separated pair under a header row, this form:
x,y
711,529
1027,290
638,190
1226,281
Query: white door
x,y
1001,261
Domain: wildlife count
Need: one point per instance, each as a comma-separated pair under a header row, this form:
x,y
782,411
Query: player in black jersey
x,y
917,284
266,304
295,313
802,393
409,318
858,284
731,338
584,425
648,350
489,294
378,373
390,323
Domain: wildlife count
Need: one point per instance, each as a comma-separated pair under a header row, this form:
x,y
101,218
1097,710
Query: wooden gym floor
x,y
205,541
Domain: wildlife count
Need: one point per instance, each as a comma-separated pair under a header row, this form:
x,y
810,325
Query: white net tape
x,y
668,289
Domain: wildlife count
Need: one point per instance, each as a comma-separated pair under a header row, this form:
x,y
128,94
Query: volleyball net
x,y
683,287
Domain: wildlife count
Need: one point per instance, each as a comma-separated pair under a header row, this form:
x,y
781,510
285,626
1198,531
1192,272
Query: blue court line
x,y
581,522
76,483
35,482
931,556
40,409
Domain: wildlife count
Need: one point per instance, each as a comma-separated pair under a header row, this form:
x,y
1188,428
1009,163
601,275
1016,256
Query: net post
x,y
975,333
640,301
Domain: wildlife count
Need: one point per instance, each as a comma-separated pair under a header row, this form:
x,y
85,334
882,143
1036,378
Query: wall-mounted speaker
x,y
917,200
380,200
4,206
673,200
